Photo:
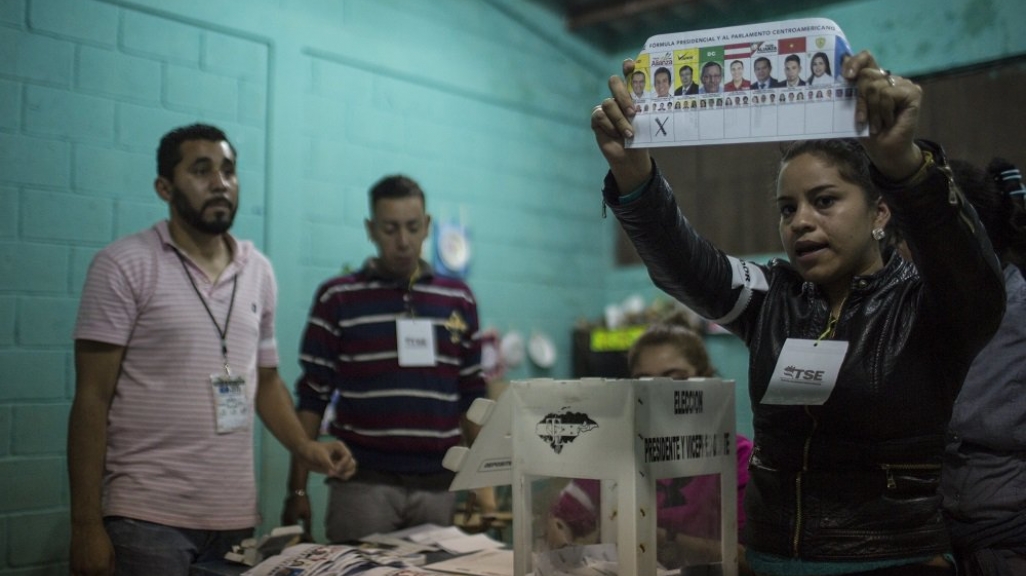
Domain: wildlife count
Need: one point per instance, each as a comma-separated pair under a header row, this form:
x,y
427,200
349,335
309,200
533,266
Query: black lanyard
x,y
222,333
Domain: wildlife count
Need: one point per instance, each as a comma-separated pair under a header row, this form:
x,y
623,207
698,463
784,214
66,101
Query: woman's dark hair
x,y
676,331
826,62
999,212
1008,178
845,154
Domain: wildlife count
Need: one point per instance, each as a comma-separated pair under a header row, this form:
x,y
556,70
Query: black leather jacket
x,y
854,478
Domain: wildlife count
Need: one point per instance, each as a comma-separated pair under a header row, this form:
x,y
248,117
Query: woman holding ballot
x,y
856,355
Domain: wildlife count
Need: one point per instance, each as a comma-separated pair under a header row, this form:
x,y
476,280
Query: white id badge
x,y
230,402
415,339
806,372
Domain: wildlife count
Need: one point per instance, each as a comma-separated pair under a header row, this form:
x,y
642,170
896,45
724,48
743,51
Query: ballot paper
x,y
455,541
589,560
755,83
491,562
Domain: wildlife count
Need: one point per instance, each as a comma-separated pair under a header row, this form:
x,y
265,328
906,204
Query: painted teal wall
x,y
485,102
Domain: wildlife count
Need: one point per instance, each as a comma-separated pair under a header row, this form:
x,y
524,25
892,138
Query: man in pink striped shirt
x,y
174,352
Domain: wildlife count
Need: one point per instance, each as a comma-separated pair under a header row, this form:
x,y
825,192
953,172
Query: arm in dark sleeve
x,y
318,356
679,261
471,380
964,286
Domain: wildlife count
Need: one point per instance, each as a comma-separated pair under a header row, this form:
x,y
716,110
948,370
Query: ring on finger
x,y
887,75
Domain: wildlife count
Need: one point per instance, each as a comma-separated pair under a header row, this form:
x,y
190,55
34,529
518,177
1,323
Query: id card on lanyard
x,y
231,403
415,338
806,372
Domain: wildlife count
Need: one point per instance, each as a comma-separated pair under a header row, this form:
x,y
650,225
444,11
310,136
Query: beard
x,y
220,223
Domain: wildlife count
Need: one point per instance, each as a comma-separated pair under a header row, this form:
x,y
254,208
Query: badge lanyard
x,y
223,334
415,337
231,408
411,312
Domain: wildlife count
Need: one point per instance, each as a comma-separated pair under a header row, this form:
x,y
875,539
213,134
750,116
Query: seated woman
x,y
687,509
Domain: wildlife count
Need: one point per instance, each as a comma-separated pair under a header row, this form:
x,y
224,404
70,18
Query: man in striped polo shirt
x,y
174,352
396,348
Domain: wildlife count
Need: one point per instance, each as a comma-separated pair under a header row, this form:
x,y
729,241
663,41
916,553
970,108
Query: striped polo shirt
x,y
394,419
166,463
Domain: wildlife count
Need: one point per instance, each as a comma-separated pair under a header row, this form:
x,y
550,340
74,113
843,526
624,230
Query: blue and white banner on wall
x,y
755,83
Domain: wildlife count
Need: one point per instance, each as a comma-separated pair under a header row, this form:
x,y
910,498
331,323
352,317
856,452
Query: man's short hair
x,y
394,186
685,67
636,72
763,59
663,70
169,152
793,58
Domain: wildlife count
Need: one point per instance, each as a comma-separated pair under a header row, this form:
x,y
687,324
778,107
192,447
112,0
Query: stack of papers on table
x,y
393,554
334,560
454,540
492,562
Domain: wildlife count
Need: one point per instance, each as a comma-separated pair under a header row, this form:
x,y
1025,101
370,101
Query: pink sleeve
x,y
109,304
267,355
699,515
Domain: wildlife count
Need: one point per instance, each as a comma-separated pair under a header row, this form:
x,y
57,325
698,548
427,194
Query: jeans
x,y
147,549
372,502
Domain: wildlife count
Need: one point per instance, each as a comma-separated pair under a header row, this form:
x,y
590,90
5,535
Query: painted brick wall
x,y
490,116
485,104
86,90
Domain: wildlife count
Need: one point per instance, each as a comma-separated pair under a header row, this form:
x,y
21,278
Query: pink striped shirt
x,y
166,463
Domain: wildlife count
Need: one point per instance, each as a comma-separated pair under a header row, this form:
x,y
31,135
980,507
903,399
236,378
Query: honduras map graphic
x,y
561,428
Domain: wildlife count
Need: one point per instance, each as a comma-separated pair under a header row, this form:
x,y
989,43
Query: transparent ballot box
x,y
625,477
574,525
